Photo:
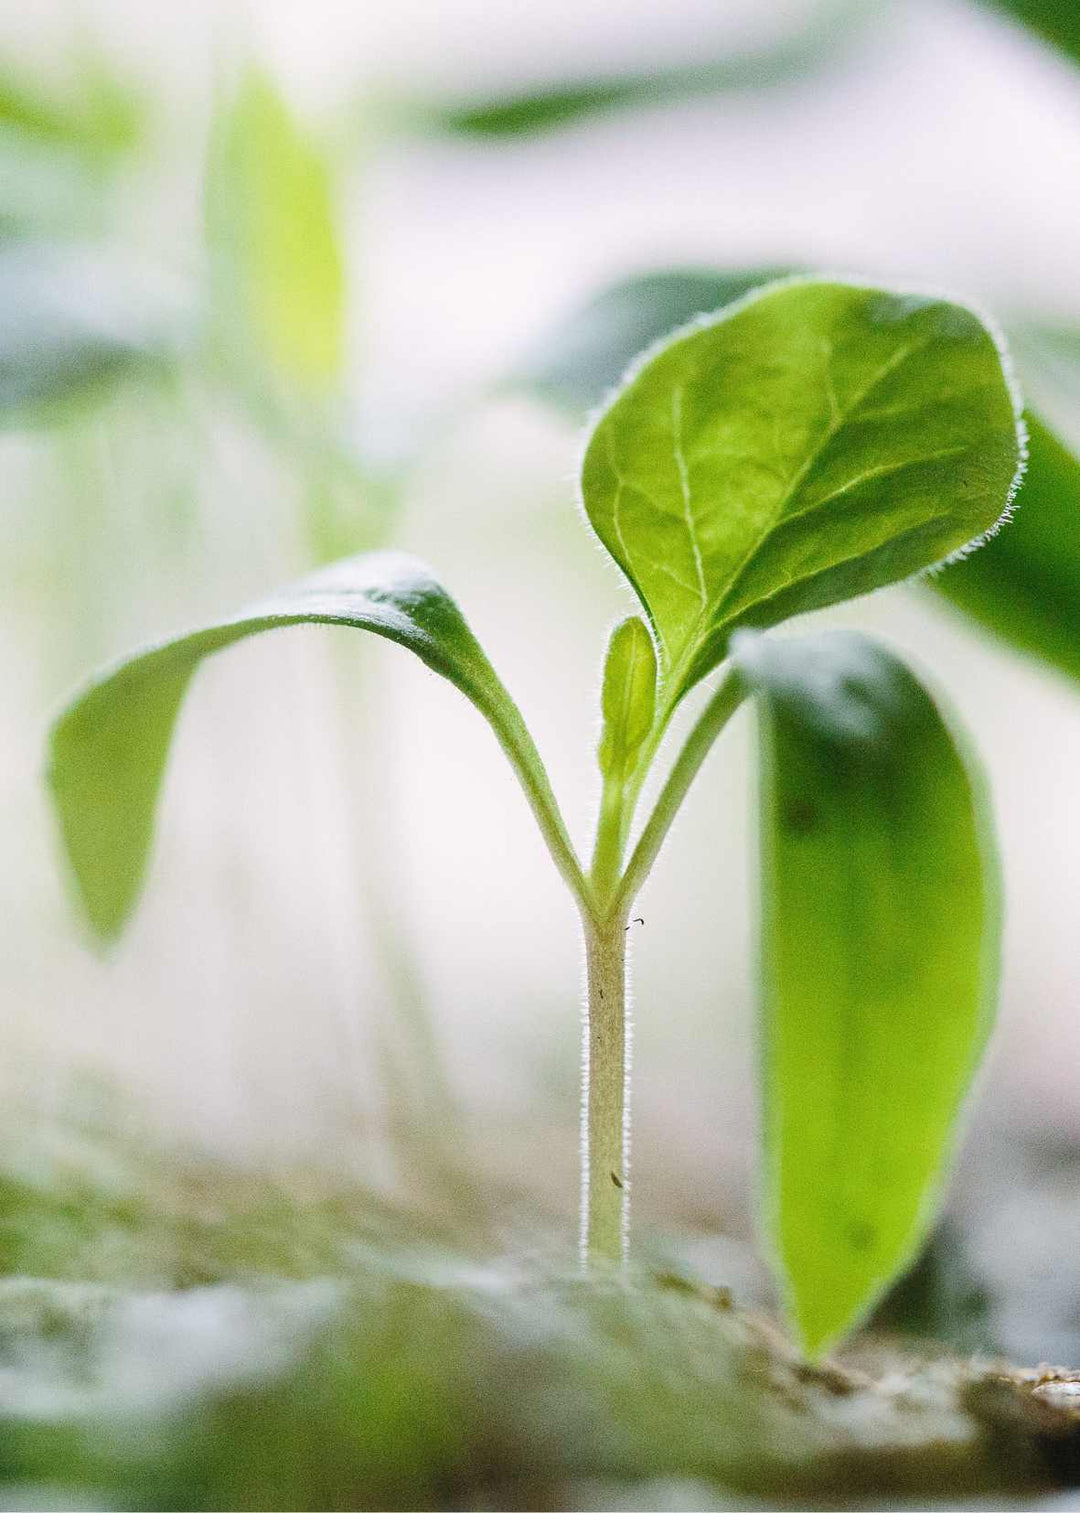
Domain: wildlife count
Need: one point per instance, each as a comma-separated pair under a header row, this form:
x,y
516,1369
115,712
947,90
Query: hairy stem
x,y
605,1198
605,906
514,738
608,852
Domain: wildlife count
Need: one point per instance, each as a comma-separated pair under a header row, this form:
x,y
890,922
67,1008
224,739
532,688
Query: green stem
x,y
514,738
605,1198
610,839
617,809
605,1185
721,706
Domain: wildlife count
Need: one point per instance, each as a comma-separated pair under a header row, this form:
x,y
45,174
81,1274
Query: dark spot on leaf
x,y
617,1180
861,1235
800,815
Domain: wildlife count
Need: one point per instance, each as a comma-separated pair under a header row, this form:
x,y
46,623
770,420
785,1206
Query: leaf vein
x,y
684,484
812,459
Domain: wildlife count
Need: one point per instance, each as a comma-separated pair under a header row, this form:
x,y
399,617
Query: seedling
x,y
812,442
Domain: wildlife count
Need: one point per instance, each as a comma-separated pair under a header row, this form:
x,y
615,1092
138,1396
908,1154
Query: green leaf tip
x,y
812,442
879,940
628,697
109,747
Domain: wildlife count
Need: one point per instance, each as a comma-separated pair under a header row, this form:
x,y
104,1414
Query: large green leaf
x,y
879,941
1025,587
109,748
809,444
276,260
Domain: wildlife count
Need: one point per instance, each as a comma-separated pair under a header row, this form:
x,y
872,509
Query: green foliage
x,y
628,698
97,116
878,958
62,145
1026,586
278,307
807,446
108,750
277,267
1055,21
810,444
1022,588
560,103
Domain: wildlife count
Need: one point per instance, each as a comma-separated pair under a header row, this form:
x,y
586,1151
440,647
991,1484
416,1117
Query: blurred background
x,y
280,282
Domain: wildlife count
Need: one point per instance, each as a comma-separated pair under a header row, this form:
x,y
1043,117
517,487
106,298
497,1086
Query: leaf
x,y
879,947
808,445
1026,586
628,697
1055,21
584,356
98,114
279,309
830,25
276,260
108,749
71,321
63,140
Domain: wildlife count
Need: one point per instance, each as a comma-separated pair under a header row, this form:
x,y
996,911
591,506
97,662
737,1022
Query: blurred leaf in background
x,y
812,42
1025,584
277,271
818,40
95,341
278,305
1055,21
74,319
61,147
77,312
1047,352
101,115
586,354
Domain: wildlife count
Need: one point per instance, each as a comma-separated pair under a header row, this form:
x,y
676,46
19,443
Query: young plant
x,y
812,442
